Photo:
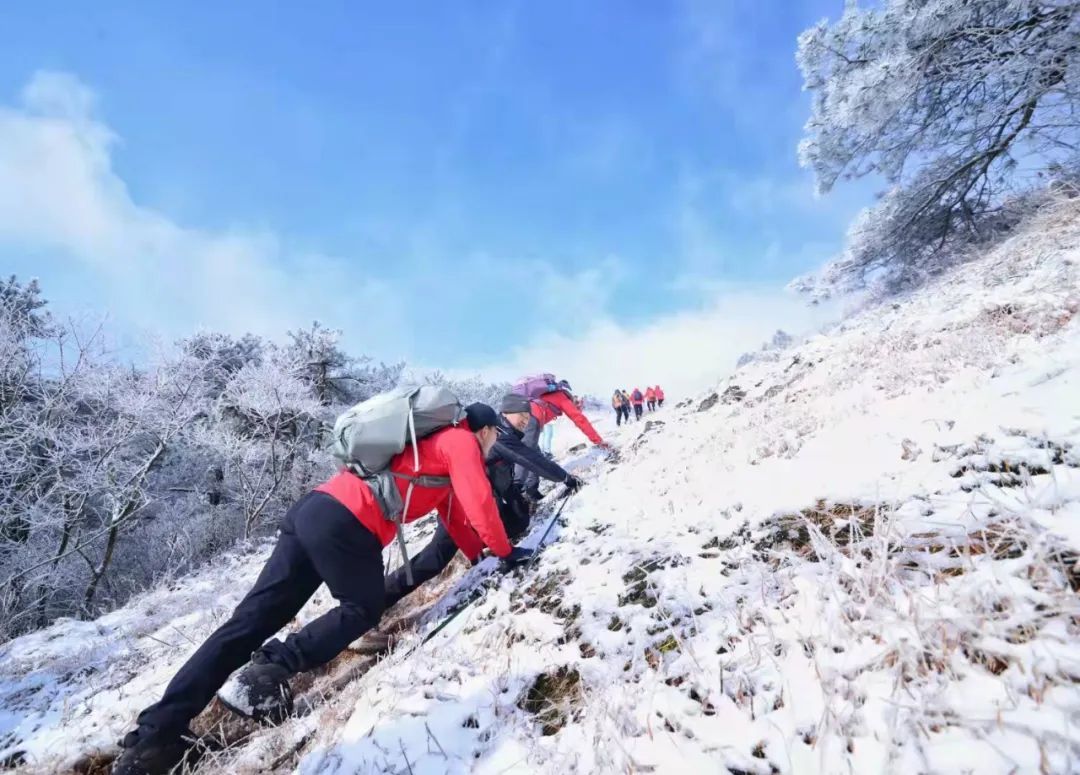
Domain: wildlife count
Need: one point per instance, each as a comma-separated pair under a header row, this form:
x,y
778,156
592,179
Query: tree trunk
x,y
110,546
131,505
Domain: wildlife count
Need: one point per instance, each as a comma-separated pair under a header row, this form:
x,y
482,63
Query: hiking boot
x,y
155,754
259,691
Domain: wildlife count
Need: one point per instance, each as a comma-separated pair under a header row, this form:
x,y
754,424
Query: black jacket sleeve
x,y
513,450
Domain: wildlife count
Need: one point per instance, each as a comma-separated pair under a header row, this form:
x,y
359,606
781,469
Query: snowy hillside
x,y
861,557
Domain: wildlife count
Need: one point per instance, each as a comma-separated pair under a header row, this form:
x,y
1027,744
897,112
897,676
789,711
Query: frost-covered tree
x,y
320,361
269,424
467,389
24,324
115,476
338,378
946,100
222,356
77,443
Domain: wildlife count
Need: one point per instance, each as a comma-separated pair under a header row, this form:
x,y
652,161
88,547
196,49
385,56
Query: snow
x,y
860,560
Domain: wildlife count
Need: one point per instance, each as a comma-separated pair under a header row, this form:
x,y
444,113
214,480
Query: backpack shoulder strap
x,y
393,508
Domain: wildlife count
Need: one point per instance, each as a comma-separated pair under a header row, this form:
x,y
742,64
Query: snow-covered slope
x,y
861,557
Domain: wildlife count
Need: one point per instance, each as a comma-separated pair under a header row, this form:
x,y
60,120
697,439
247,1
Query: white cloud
x,y
58,190
684,352
702,248
569,301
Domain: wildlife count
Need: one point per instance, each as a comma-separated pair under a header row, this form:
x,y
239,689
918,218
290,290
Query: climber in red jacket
x,y
547,408
637,398
335,535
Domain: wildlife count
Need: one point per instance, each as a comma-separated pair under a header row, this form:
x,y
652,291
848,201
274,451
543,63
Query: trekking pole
x,y
551,524
482,588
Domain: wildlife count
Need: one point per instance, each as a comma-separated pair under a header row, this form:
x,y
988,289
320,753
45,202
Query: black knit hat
x,y
481,416
513,403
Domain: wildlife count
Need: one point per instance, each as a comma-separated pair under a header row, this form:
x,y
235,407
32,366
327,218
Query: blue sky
x,y
461,184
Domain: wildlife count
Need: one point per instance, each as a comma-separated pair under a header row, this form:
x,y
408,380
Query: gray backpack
x,y
368,436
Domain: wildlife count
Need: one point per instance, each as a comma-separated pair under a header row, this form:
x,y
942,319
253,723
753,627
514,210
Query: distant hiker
x,y
549,399
627,405
507,452
618,405
335,535
659,396
650,398
637,398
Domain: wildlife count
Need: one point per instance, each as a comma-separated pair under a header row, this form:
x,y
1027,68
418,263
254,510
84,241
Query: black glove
x,y
534,494
573,484
518,556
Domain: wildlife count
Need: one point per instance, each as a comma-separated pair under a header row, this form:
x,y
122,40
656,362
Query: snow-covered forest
x,y
115,477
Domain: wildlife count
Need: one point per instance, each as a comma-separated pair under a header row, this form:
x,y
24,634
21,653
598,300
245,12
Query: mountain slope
x,y
858,556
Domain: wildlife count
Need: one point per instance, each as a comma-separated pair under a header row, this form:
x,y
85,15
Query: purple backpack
x,y
536,385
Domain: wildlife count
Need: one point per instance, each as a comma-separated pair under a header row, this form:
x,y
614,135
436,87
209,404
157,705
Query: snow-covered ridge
x,y
860,557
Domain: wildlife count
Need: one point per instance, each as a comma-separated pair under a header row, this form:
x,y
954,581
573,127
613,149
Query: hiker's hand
x,y
573,484
518,556
534,494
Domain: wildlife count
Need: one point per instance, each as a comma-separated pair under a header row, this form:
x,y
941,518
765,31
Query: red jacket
x,y
550,405
659,393
466,507
650,394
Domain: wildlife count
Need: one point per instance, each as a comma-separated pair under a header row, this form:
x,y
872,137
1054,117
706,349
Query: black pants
x,y
430,561
637,411
652,406
659,402
618,415
526,478
320,541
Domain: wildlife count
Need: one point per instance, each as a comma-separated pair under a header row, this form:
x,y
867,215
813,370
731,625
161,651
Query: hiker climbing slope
x,y
650,398
335,535
549,399
507,452
618,405
659,395
637,398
